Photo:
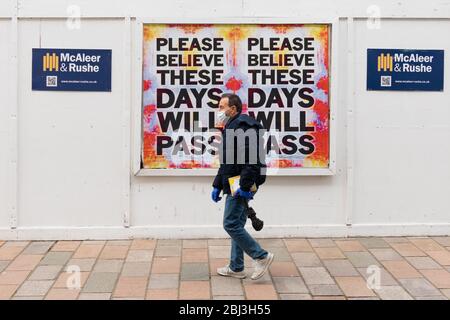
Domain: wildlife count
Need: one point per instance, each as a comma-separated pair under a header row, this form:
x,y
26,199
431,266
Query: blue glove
x,y
215,195
244,194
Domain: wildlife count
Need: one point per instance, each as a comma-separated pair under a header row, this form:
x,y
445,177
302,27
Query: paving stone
x,y
329,253
194,271
164,281
226,286
329,298
34,288
131,287
260,292
295,296
431,298
195,255
361,259
283,269
325,290
372,243
195,244
298,245
139,256
219,242
194,290
45,273
419,287
39,247
442,257
354,286
88,250
108,266
162,294
340,268
62,294
393,293
83,264
423,263
443,241
426,244
446,292
71,280
21,244
228,298
143,244
219,251
94,242
56,258
386,254
166,265
7,291
280,254
289,285
169,242
350,245
13,277
114,252
118,243
94,296
66,246
316,275
168,251
321,243
385,277
25,262
136,269
401,269
9,253
306,259
3,265
271,243
408,250
101,282
440,278
28,298
392,240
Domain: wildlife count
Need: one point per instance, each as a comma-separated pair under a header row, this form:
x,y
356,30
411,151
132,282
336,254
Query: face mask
x,y
222,118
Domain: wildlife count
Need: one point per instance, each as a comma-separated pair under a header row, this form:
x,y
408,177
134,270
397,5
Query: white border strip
x,y
13,126
126,128
215,231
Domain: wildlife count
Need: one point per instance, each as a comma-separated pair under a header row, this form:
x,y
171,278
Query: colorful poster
x,y
281,73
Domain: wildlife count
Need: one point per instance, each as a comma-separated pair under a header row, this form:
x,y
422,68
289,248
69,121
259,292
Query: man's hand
x,y
215,195
244,194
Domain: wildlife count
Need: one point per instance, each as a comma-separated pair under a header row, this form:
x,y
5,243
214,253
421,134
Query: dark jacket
x,y
243,163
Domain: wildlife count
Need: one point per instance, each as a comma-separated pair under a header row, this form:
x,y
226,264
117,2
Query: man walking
x,y
238,129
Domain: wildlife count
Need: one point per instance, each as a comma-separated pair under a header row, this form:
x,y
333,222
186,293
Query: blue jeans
x,y
234,219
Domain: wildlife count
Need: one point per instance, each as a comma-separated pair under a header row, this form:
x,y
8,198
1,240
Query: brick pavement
x,y
325,268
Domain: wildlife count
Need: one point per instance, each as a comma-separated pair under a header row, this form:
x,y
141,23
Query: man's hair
x,y
233,100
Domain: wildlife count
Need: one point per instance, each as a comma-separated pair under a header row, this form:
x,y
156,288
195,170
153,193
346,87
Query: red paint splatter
x,y
234,84
323,84
321,144
147,84
324,37
148,111
244,108
322,110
